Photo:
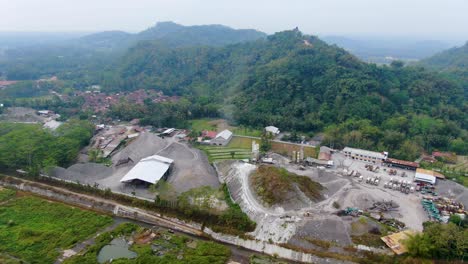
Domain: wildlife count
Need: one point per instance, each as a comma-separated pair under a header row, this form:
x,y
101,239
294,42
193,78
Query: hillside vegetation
x,y
298,82
449,59
86,59
294,81
31,148
276,186
452,62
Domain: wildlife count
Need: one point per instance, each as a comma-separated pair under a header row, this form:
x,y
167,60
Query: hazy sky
x,y
435,19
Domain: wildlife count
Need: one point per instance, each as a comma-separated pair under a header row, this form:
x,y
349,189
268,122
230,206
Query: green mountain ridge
x,y
174,35
99,50
452,63
298,82
449,59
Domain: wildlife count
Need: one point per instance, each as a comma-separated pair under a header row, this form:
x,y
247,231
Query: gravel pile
x,y
82,172
145,145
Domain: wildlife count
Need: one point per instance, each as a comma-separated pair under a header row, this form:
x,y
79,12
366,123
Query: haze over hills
x,y
452,62
453,58
387,49
91,51
172,34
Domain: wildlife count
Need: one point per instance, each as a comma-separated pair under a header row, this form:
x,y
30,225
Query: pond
x,y
118,248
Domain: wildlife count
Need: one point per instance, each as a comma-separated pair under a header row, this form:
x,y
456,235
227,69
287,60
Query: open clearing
x,y
21,115
307,225
35,230
191,167
288,148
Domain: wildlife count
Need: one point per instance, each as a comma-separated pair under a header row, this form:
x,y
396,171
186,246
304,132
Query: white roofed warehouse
x,y
426,176
149,170
222,138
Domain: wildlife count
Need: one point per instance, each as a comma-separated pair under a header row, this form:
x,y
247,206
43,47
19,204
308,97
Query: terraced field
x,y
242,146
239,148
226,153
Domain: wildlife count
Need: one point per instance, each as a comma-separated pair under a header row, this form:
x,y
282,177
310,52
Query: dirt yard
x,y
317,221
191,168
21,114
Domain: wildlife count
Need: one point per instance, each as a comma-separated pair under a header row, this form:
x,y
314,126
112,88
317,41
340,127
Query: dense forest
x,y
90,58
300,83
294,81
452,62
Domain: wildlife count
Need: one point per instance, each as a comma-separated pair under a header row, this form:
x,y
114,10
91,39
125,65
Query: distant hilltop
x,y
175,35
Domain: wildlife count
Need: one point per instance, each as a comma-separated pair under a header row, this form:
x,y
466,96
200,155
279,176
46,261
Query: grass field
x,y
225,153
287,149
240,146
457,172
35,230
5,259
203,124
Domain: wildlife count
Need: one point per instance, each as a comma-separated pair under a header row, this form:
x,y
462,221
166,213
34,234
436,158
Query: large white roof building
x,y
150,169
365,155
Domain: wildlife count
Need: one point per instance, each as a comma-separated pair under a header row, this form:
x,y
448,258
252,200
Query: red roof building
x,y
209,134
402,163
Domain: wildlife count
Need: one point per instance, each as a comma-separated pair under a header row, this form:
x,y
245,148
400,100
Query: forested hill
x,y
173,35
298,82
176,35
84,58
452,62
449,59
290,80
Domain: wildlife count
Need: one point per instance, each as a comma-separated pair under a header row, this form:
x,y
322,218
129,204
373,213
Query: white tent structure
x,y
272,129
150,169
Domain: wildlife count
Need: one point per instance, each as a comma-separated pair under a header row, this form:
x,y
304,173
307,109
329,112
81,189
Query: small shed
x,y
396,241
325,153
